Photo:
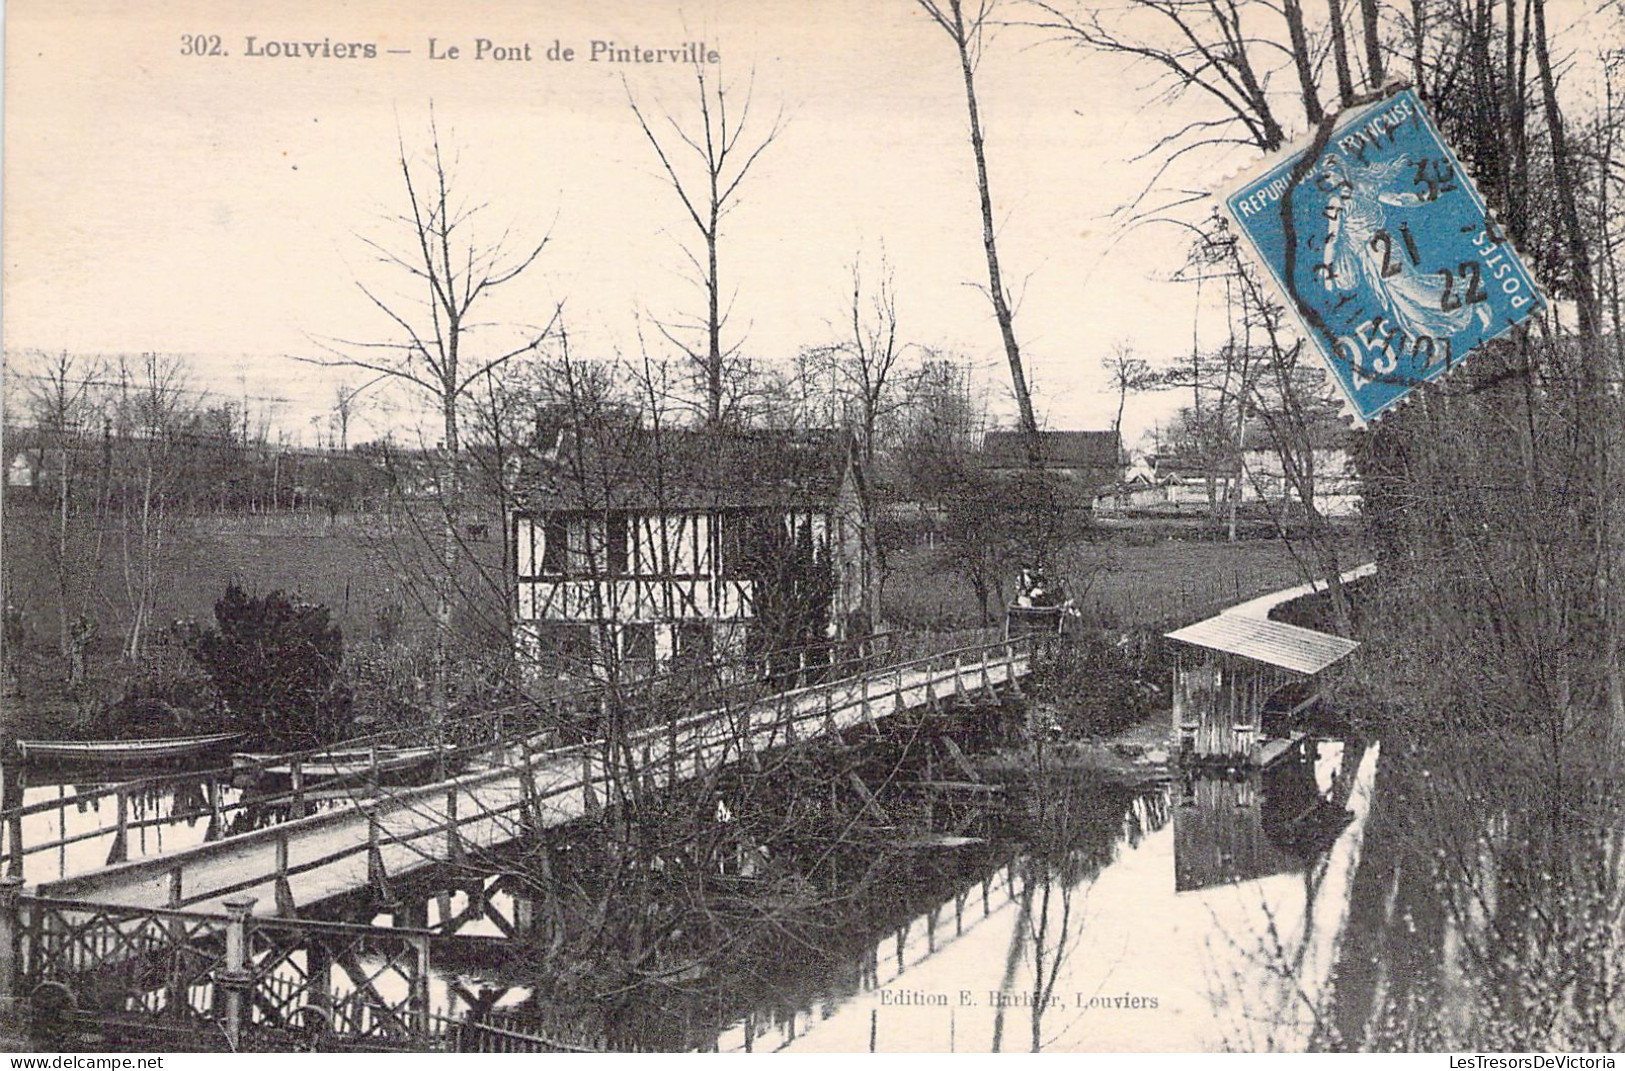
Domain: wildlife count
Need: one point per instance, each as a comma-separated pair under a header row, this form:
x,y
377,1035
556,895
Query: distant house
x,y
1327,466
639,549
1191,484
1138,491
1185,483
1091,459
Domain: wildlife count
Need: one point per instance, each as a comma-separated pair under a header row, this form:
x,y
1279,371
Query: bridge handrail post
x,y
119,852
233,978
420,986
454,840
14,843
527,788
11,949
296,773
376,876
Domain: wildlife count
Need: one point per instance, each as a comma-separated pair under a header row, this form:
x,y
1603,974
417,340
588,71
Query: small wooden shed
x,y
1229,668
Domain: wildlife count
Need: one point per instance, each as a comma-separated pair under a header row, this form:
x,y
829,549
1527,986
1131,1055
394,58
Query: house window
x,y
586,539
567,649
617,539
554,546
732,529
638,642
694,641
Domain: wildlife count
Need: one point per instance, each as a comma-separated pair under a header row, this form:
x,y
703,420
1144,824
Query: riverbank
x,y
1134,756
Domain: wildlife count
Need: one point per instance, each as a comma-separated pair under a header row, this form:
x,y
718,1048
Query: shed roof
x,y
1274,643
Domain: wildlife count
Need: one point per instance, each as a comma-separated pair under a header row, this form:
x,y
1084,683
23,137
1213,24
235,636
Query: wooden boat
x,y
340,762
97,752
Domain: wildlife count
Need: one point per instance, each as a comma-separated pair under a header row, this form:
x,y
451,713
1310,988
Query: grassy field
x,y
1120,585
370,578
365,576
362,573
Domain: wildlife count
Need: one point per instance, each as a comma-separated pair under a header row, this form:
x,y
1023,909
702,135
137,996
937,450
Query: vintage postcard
x,y
738,525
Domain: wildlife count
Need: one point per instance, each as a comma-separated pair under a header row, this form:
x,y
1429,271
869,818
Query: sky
x,y
219,206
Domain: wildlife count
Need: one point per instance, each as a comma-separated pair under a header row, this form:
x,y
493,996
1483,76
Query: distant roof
x,y
1326,431
1056,449
620,467
1274,643
1170,466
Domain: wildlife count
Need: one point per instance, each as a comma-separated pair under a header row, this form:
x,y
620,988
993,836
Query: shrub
x,y
1091,684
275,663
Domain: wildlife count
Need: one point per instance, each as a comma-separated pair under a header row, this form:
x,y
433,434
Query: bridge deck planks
x,y
326,854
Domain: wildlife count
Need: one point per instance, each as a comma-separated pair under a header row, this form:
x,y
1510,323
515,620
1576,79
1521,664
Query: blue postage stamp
x,y
1385,252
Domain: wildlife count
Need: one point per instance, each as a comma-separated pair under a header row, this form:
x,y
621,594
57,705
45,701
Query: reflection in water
x,y
74,822
1439,899
1485,913
1235,826
1086,941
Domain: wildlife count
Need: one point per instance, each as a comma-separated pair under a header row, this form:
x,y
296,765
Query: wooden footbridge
x,y
210,933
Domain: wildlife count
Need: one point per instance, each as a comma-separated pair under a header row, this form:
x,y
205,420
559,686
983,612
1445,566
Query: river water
x,y
1438,901
1203,915
1112,919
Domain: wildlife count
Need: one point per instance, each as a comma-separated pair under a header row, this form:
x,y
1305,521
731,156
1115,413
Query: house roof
x,y
1170,466
633,467
1056,450
1274,643
1326,431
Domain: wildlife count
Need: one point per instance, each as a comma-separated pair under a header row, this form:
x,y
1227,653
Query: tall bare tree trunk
x,y
1340,53
713,322
1293,10
1594,505
451,488
716,140
952,20
1373,44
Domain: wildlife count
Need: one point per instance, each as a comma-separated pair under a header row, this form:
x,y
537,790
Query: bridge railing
x,y
244,977
230,800
526,786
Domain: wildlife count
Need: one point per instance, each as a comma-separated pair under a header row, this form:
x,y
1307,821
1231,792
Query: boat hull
x,y
113,752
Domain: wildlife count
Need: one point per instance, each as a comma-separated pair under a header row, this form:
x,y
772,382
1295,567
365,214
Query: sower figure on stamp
x,y
1365,254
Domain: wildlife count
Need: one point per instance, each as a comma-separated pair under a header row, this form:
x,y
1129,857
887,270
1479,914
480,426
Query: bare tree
x,y
864,371
450,272
1127,374
966,30
151,415
65,412
724,156
346,400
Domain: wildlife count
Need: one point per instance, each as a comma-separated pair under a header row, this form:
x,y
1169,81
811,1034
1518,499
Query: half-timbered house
x,y
635,547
